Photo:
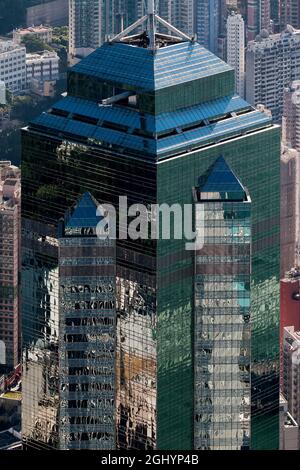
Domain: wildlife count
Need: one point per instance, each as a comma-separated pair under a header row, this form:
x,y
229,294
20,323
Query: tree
x,y
60,36
60,42
9,96
35,44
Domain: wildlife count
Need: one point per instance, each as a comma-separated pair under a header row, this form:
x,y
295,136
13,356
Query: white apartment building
x,y
236,50
42,67
13,66
272,62
44,33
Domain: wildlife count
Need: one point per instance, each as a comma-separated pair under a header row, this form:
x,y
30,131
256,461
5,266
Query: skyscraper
x,y
236,50
290,209
258,17
290,301
89,23
242,7
291,371
275,16
10,217
145,117
291,116
289,11
272,62
180,14
207,23
290,176
184,16
86,334
289,428
222,312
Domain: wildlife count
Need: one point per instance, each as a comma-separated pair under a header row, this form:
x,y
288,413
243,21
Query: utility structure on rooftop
x,y
153,40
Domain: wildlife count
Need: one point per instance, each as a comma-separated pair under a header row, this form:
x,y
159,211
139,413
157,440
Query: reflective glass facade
x,y
87,332
40,286
69,338
63,157
222,314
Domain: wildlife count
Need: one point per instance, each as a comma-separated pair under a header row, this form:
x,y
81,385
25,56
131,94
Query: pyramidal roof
x,y
152,95
83,214
151,60
222,181
145,69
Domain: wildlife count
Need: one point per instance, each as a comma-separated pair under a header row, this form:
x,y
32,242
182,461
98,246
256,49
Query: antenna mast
x,y
150,20
151,24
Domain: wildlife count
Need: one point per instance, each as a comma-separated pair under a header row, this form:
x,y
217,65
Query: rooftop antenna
x,y
150,19
151,24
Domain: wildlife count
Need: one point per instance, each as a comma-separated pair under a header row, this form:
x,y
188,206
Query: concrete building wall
x,y
291,375
289,303
86,27
53,13
10,193
2,93
236,50
42,32
290,202
13,66
272,62
289,12
288,428
291,116
207,23
42,66
258,13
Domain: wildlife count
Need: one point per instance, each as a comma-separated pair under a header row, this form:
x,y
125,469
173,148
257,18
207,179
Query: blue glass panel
x,y
161,123
84,213
221,178
186,140
117,62
209,133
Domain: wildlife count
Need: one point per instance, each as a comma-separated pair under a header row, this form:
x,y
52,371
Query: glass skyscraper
x,y
146,121
87,331
222,312
208,23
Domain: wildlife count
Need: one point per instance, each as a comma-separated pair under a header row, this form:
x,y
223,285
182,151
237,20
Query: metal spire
x,y
151,24
151,18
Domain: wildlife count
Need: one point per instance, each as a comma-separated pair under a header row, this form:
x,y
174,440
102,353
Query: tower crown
x,y
150,38
151,94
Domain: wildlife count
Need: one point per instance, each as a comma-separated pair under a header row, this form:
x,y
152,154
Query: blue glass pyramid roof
x,y
222,181
153,136
142,69
84,213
